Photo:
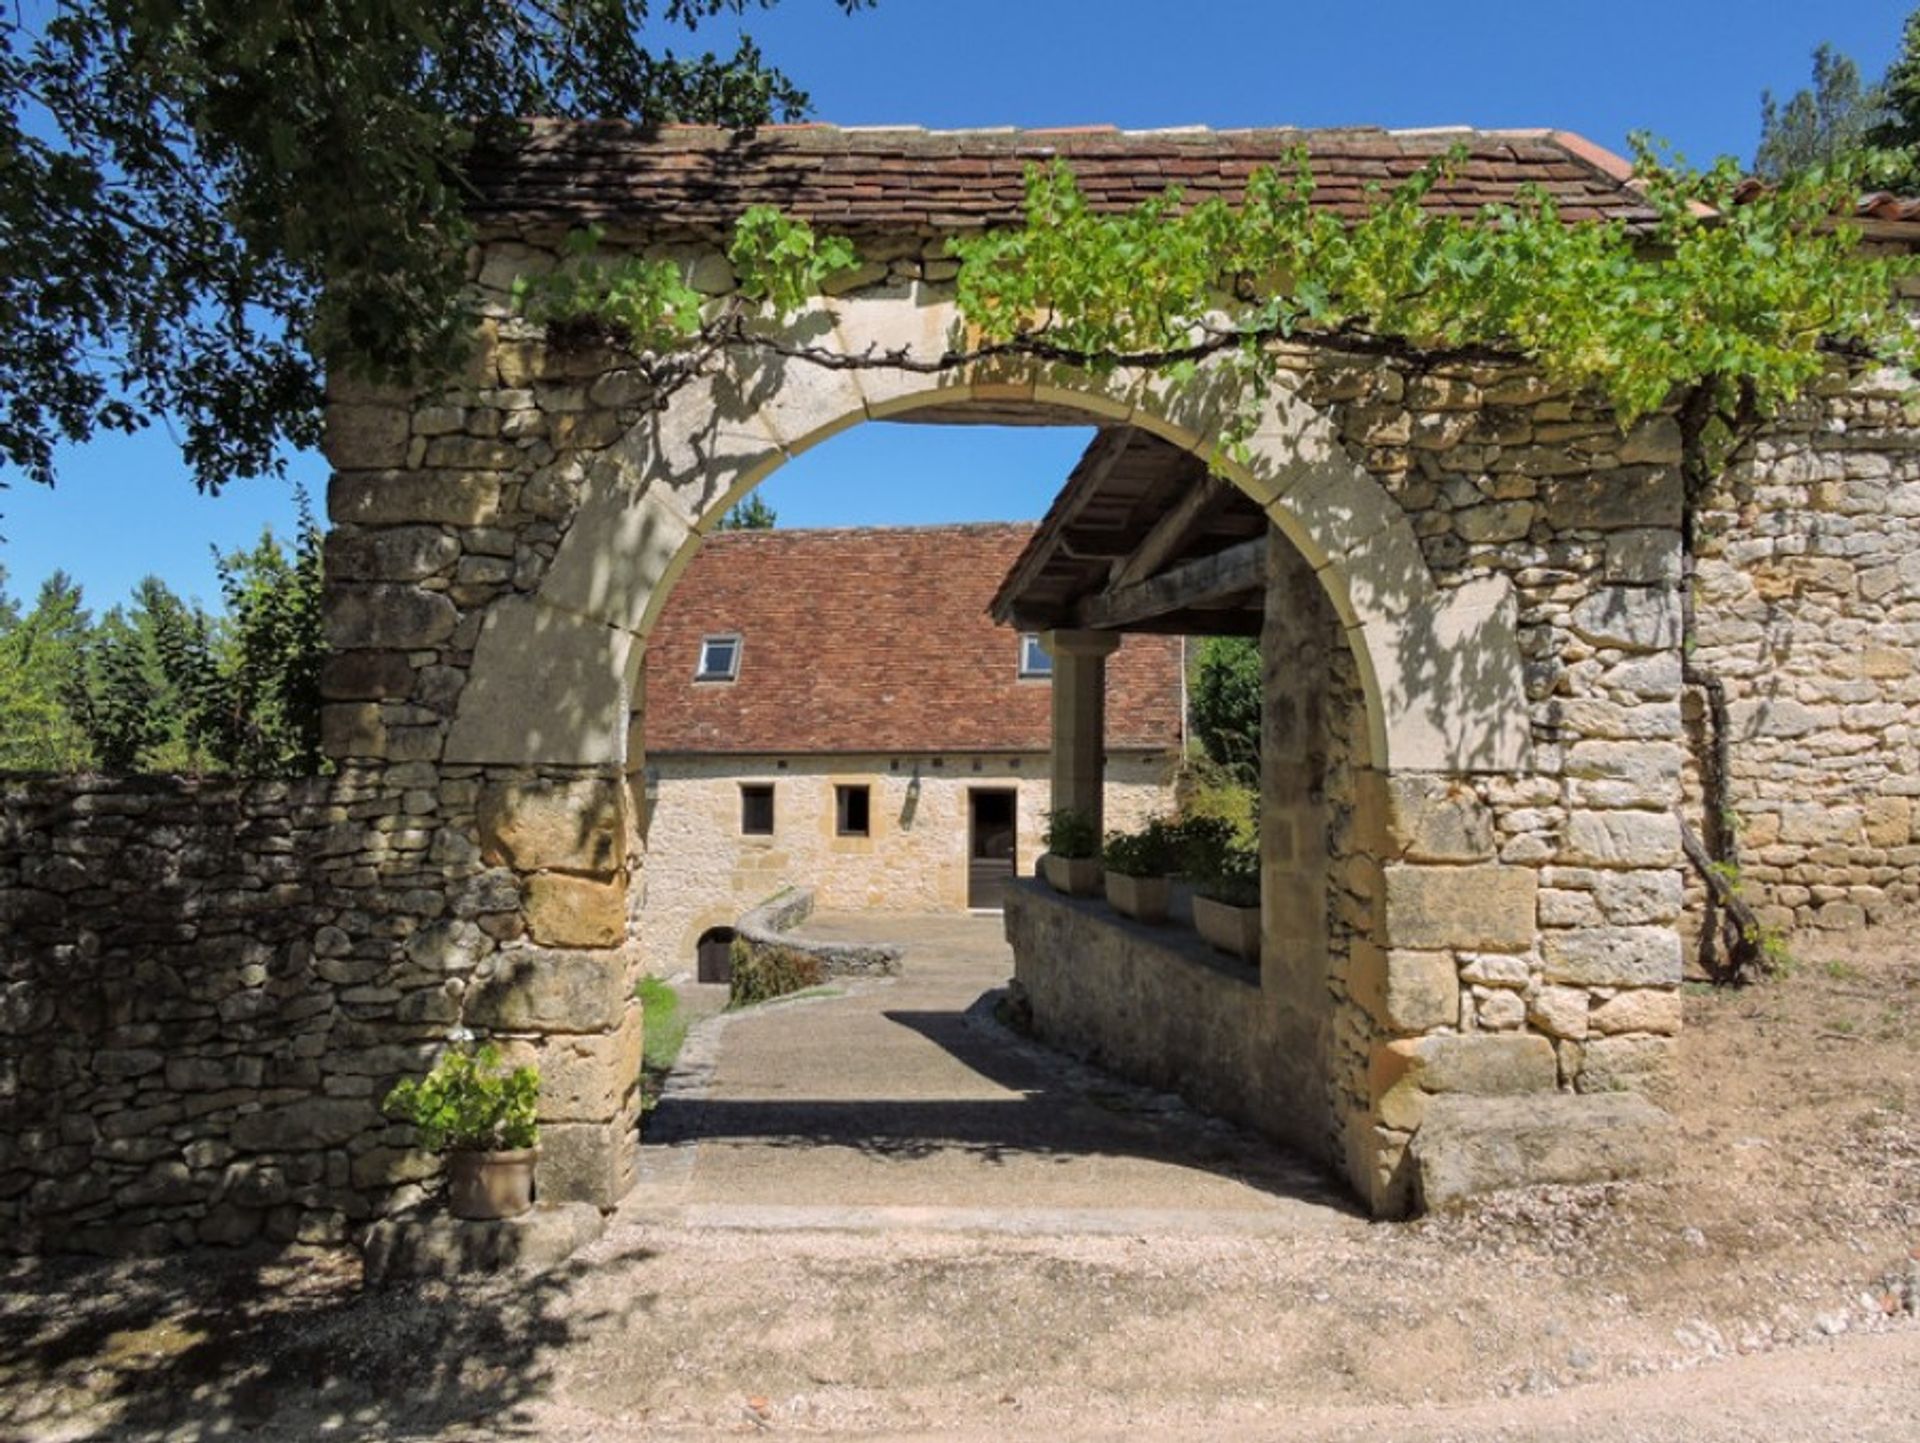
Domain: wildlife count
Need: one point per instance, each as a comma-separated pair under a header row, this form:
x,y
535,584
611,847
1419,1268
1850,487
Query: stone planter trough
x,y
1229,929
1145,899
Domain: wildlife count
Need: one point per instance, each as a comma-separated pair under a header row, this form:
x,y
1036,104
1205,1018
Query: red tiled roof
x,y
873,640
1879,212
698,179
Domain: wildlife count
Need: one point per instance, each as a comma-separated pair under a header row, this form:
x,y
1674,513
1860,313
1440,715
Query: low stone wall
x,y
163,1018
770,926
206,989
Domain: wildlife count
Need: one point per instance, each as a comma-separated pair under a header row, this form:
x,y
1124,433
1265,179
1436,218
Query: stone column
x,y
1080,718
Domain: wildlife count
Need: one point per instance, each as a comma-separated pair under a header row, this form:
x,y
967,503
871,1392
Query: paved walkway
x,y
901,1102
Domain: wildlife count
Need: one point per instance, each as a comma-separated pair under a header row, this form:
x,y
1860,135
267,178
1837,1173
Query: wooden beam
x,y
1171,532
1089,474
1190,586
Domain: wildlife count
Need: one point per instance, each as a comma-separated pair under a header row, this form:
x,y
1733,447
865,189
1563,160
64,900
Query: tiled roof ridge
x,y
870,529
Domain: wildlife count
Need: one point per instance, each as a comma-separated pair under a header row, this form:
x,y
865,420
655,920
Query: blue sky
x,y
1690,71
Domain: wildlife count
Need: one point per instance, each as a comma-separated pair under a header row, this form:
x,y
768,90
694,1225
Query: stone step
x,y
437,1245
1469,1145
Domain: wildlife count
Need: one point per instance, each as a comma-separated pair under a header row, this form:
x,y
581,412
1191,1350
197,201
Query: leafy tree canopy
x,y
752,514
1838,116
1224,704
203,200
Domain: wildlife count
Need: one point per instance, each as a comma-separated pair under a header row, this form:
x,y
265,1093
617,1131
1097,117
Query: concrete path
x,y
901,1102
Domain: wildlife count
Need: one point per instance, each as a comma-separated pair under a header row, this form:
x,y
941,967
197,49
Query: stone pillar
x,y
1080,718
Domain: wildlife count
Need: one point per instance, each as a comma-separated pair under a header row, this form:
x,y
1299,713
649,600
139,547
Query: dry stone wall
x,y
1808,610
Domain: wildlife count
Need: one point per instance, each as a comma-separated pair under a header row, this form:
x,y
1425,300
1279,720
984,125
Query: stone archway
x,y
1437,669
1440,667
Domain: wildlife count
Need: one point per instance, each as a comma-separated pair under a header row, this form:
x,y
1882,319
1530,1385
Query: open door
x,y
992,845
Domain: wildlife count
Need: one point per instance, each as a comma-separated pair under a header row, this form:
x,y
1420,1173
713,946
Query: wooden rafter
x,y
1193,585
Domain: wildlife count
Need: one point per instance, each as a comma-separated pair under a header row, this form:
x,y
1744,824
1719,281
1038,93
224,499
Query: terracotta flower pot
x,y
484,1186
1145,899
1075,876
1230,929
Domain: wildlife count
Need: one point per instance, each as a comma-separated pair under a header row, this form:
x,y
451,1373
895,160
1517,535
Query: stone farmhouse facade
x,y
1470,588
797,675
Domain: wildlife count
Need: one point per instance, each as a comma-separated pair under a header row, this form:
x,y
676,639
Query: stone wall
x,y
205,989
701,872
1808,610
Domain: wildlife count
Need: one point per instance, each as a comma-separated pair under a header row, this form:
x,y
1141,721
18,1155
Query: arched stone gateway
x,y
1470,864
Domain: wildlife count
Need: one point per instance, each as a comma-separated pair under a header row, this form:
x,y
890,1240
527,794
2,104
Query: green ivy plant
x,y
1744,297
470,1103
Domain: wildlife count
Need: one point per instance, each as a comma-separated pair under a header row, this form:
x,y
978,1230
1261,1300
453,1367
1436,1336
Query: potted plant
x,y
1139,868
482,1117
1226,901
1071,864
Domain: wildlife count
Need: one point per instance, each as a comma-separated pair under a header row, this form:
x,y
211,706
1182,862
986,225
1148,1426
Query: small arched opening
x,y
713,955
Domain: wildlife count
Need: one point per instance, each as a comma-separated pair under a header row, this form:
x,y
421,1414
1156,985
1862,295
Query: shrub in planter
x,y
1226,902
483,1118
1071,863
1139,866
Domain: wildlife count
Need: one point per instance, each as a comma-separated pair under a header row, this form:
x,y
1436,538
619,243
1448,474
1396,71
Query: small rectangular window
x,y
756,809
850,811
719,659
1034,659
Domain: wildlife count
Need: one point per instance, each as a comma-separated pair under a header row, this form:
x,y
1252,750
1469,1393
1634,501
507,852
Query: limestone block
x,y
550,991
1621,839
1613,957
623,543
387,498
1488,907
1448,675
1630,898
434,1245
1633,618
394,553
590,1162
548,825
1402,1076
1889,821
1652,766
1654,441
1471,1146
1641,1009
305,1125
587,1078
380,616
1645,556
1815,823
365,437
1435,819
366,676
1493,524
352,729
1560,1011
1634,497
546,686
564,911
1406,991
1646,1065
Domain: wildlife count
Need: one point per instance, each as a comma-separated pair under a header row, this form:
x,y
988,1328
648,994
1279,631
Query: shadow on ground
x,y
1050,1109
209,1346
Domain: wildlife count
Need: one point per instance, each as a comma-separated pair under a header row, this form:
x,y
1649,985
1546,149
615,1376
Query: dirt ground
x,y
1766,1291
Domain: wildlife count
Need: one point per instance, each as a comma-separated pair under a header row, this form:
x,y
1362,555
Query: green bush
x,y
469,1103
764,972
663,1027
1232,876
1071,833
1153,851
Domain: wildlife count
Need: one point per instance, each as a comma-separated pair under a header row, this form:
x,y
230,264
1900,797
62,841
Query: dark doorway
x,y
992,844
715,955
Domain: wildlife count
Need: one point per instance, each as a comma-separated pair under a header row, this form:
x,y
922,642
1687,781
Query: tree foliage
x,y
1836,118
203,200
752,514
159,685
1224,704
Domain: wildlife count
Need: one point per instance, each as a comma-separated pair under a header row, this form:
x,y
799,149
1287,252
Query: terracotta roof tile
x,y
697,179
873,640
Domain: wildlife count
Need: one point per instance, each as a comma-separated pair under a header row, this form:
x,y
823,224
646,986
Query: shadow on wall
x,y
290,1346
